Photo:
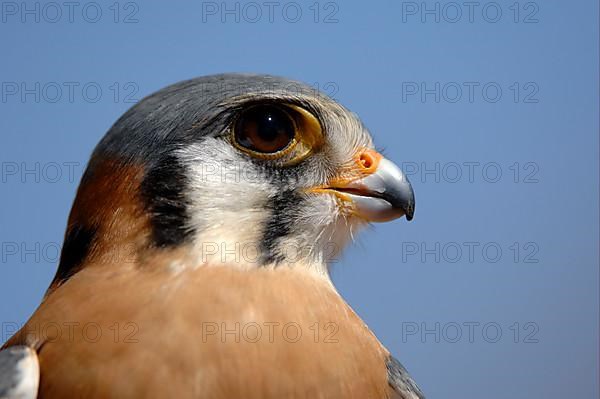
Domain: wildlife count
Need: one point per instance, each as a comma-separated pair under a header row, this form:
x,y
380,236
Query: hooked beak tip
x,y
410,212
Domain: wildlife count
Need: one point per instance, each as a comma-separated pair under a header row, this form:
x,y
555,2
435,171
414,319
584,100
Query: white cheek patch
x,y
228,203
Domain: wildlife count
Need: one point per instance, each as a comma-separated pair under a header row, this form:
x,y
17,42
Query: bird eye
x,y
265,129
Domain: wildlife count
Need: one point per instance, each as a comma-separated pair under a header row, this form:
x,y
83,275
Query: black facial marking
x,y
78,242
284,206
400,381
163,191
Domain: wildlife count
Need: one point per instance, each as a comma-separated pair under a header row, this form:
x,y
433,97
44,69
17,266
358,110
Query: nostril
x,y
367,160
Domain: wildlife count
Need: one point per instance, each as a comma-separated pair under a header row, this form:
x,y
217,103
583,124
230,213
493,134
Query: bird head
x,y
246,170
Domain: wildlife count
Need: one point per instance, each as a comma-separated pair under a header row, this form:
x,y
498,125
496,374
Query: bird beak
x,y
376,190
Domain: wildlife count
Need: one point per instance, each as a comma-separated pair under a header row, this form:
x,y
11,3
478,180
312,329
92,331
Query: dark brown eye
x,y
265,129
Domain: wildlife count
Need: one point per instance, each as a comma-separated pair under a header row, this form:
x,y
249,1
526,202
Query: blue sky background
x,y
532,116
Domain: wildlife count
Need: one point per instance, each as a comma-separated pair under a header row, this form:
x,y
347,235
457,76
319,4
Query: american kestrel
x,y
195,259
